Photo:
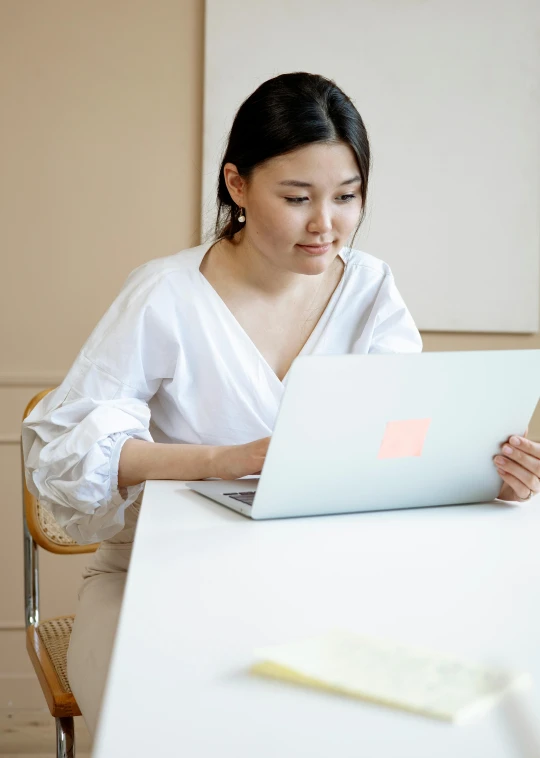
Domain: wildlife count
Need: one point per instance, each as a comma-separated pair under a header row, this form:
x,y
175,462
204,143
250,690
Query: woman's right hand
x,y
236,461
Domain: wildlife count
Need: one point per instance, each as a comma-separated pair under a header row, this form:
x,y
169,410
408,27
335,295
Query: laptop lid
x,y
383,431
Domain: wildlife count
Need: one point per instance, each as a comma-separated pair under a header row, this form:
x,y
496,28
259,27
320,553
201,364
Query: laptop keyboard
x,y
243,497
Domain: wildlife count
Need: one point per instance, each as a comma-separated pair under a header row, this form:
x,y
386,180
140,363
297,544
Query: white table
x,y
206,586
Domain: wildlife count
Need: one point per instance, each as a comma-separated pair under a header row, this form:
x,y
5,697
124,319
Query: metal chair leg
x,y
65,737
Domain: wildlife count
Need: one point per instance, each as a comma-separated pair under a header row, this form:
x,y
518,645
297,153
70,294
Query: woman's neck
x,y
246,264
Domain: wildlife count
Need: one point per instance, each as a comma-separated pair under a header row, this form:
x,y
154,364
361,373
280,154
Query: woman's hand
x,y
235,461
519,468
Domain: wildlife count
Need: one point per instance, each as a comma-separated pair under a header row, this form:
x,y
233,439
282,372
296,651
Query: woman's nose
x,y
321,220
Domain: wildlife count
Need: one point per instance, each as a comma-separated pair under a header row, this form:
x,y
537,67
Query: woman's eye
x,y
299,200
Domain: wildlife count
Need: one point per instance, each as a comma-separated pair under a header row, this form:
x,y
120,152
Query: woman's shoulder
x,y
360,259
181,264
161,280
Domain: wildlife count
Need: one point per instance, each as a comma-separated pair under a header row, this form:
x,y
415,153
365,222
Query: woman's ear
x,y
235,184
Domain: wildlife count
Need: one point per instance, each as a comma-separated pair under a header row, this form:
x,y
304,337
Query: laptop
x,y
387,431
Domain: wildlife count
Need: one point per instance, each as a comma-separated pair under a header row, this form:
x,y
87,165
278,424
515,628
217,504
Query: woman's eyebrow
x,y
296,183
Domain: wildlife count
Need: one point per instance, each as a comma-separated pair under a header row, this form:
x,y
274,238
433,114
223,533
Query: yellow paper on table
x,y
385,672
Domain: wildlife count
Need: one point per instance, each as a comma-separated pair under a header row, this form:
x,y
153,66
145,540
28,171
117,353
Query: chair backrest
x,y
40,522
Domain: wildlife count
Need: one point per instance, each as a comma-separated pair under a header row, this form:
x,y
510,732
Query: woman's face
x,y
281,214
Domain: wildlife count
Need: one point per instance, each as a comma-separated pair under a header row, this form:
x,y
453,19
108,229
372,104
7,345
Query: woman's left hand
x,y
518,465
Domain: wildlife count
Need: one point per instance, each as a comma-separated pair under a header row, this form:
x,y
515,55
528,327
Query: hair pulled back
x,y
283,114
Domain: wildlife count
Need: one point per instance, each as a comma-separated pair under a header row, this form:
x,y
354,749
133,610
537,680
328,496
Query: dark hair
x,y
283,114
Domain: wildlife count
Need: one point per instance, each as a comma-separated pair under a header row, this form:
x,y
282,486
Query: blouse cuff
x,y
102,505
123,494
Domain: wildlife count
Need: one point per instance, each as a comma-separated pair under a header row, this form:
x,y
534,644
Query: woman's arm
x,y
141,460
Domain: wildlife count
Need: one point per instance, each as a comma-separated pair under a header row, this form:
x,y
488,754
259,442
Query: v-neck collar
x,y
319,326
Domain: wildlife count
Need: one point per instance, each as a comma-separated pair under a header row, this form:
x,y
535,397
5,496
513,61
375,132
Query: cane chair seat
x,y
47,644
55,634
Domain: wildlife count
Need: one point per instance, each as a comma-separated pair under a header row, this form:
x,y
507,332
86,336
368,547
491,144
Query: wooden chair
x,y
47,641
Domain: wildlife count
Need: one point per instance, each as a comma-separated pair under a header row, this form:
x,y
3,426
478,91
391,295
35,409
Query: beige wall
x,y
100,150
101,153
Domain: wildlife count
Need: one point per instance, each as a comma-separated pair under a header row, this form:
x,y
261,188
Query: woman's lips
x,y
316,249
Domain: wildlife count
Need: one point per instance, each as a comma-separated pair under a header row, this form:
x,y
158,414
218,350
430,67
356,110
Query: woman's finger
x,y
526,454
525,476
524,443
520,489
522,474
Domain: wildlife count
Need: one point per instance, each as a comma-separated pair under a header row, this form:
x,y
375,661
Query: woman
x,y
183,376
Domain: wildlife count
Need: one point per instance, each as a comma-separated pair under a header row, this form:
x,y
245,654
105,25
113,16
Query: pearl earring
x,y
241,218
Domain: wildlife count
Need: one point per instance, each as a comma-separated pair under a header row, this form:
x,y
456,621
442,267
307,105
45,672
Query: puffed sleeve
x,y
73,438
392,327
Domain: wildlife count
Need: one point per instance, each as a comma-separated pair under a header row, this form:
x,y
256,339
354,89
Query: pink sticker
x,y
403,439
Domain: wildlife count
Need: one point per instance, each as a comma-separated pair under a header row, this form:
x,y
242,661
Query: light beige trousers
x,y
96,618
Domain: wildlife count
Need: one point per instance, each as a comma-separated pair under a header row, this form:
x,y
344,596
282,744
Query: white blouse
x,y
169,362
